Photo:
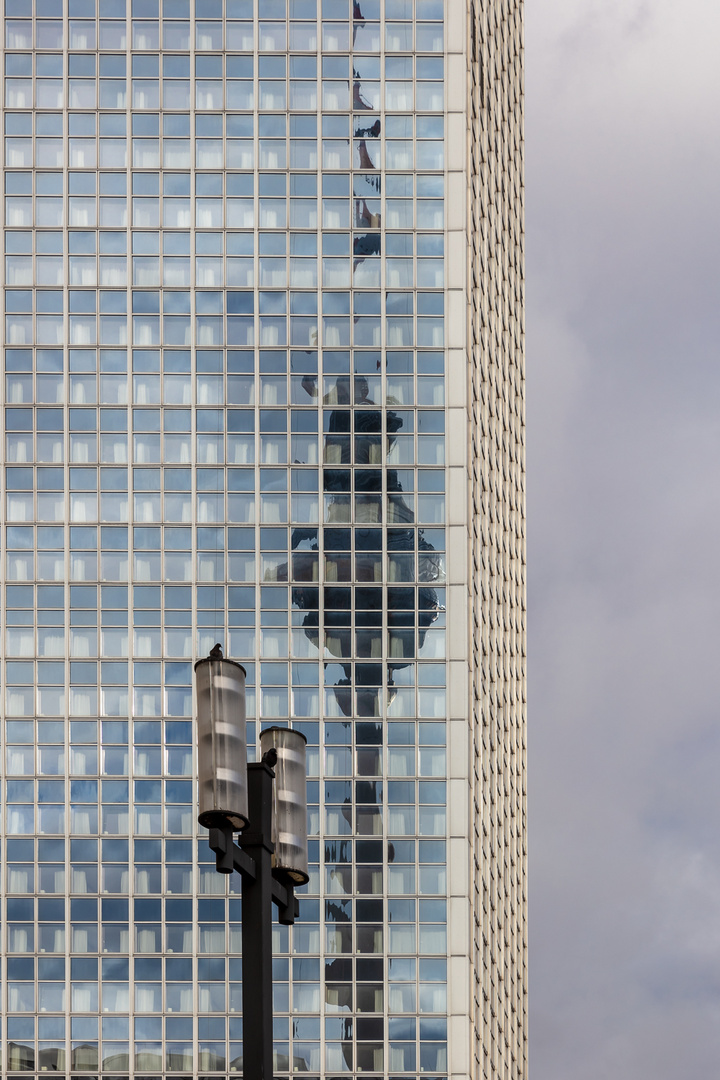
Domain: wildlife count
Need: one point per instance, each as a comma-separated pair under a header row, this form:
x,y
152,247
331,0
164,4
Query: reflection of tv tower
x,y
365,244
359,101
414,617
365,217
358,19
372,132
365,162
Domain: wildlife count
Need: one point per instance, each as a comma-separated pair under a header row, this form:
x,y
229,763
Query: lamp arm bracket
x,y
229,856
250,839
287,903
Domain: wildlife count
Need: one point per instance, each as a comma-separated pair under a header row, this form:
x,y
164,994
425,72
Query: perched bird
x,y
216,652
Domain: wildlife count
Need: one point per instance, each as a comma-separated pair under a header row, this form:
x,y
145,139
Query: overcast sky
x,y
623,410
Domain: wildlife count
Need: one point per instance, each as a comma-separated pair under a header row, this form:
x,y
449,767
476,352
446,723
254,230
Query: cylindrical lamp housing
x,y
289,820
222,743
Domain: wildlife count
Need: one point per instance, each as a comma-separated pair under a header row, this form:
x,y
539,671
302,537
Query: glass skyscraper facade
x,y
263,386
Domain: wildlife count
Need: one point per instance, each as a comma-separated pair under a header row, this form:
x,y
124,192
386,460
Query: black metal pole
x,y
253,860
257,900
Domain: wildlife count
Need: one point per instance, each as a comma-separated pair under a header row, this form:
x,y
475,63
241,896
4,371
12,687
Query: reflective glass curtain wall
x,y
226,420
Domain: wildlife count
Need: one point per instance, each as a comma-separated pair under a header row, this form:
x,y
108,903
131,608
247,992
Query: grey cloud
x,y
623,534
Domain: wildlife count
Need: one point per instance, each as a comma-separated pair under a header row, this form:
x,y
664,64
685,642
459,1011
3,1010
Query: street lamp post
x,y
271,819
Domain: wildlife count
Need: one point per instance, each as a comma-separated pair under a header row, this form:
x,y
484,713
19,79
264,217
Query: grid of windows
x,y
224,420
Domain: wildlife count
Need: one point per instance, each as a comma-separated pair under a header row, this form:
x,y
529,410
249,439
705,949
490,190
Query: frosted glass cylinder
x,y
222,743
289,820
